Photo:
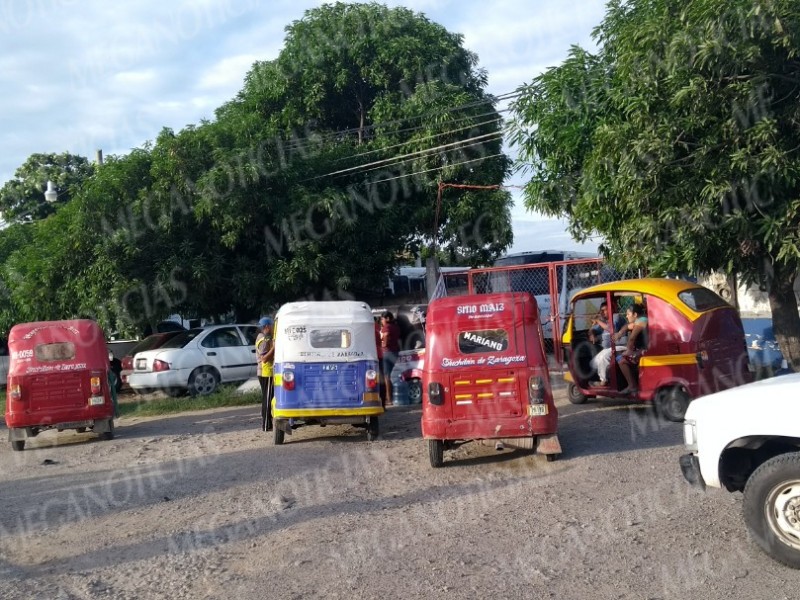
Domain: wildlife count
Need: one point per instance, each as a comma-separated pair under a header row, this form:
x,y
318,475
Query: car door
x,y
250,333
225,349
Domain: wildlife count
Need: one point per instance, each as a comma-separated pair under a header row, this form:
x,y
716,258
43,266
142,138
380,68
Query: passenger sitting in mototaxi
x,y
636,330
601,334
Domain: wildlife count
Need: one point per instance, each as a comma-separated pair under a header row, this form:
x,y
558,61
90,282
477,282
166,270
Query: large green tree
x,y
373,106
315,181
22,198
679,142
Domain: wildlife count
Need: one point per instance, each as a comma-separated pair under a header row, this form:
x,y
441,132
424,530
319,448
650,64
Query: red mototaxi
x,y
485,375
58,379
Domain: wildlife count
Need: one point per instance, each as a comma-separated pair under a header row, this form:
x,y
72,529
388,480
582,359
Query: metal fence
x,y
552,284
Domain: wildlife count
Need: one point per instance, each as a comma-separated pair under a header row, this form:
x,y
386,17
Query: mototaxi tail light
x,y
435,393
160,365
535,390
372,379
15,392
702,358
287,380
94,384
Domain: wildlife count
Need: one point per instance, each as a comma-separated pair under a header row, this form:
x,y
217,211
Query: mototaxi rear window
x,y
701,299
330,338
483,341
56,352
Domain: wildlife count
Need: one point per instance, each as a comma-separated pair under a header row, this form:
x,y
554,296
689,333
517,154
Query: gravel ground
x,y
202,505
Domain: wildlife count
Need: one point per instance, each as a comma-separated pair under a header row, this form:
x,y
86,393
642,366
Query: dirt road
x,y
204,506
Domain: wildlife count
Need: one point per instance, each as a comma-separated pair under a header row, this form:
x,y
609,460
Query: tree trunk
x,y
785,316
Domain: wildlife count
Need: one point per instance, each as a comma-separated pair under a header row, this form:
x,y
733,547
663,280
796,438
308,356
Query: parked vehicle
x,y
485,375
762,348
695,344
407,377
58,379
151,342
326,367
748,439
4,360
197,361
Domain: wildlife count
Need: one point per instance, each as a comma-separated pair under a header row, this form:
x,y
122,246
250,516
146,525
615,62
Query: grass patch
x,y
225,397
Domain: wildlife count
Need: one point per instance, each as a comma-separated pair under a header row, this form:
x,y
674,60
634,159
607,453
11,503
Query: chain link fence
x,y
552,284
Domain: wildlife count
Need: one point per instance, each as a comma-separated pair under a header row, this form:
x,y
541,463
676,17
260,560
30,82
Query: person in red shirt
x,y
381,382
390,348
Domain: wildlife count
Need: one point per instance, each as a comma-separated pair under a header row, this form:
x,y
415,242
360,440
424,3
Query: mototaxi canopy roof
x,y
81,342
332,330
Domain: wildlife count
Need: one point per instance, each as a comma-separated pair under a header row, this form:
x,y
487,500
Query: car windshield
x,y
180,340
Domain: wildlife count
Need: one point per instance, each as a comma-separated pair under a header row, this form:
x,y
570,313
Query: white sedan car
x,y
197,361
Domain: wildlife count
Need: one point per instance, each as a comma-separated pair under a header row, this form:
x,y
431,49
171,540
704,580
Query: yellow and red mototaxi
x,y
485,375
57,379
695,344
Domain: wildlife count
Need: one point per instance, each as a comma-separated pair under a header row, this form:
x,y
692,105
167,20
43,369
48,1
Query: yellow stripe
x,y
506,380
463,382
459,396
297,413
666,360
486,395
483,381
277,379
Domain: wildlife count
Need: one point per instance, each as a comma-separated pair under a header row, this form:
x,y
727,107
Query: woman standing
x,y
390,347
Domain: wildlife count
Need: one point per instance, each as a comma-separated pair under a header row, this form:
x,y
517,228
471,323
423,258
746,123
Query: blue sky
x,y
78,75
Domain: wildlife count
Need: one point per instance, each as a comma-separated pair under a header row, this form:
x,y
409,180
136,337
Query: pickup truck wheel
x,y
772,508
575,395
671,403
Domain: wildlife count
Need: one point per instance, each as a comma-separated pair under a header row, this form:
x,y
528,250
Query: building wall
x,y
752,301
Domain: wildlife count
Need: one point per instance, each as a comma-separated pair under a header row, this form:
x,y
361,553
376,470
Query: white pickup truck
x,y
748,439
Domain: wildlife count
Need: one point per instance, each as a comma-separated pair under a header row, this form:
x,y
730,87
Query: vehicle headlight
x,y
690,435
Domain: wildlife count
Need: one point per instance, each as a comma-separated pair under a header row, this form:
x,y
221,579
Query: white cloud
x,y
228,73
77,76
136,78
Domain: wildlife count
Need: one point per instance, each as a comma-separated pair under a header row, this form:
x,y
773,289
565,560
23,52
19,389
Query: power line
x,y
497,119
422,154
464,162
368,128
386,162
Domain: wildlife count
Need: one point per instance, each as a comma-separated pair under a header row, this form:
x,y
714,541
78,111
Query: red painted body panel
x,y
55,391
675,342
485,380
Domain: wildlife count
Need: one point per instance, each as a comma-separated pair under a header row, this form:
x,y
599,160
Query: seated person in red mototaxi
x,y
636,330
